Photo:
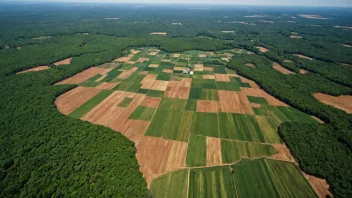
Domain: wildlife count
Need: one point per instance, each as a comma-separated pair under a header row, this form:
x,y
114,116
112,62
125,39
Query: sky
x,y
334,3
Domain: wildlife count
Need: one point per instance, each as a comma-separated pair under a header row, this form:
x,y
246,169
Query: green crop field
x,y
211,182
125,102
203,94
142,113
191,105
90,104
205,124
196,153
173,104
233,151
160,186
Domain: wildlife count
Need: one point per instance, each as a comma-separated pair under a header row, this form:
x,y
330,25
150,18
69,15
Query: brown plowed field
x,y
151,102
302,71
320,186
74,98
284,153
106,85
124,59
208,106
39,68
157,155
127,73
250,65
341,102
279,68
234,102
148,81
66,61
262,49
213,151
261,93
168,71
135,129
222,78
179,89
252,83
85,75
160,85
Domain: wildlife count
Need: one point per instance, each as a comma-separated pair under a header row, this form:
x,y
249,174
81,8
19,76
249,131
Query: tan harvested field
x,y
343,102
141,60
214,157
261,93
151,102
168,70
304,57
176,55
208,106
85,75
234,102
267,21
202,55
198,67
345,64
343,27
212,77
179,68
148,81
346,45
281,69
106,85
133,51
309,16
255,16
225,59
158,33
39,68
228,31
153,53
208,69
250,65
284,153
255,105
157,155
124,59
71,100
288,61
302,71
66,61
160,85
317,119
262,49
296,37
245,80
222,77
179,89
127,73
249,52
153,65
320,186
143,72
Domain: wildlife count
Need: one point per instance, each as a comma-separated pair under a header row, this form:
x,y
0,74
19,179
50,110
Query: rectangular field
x,y
161,186
196,153
205,124
142,113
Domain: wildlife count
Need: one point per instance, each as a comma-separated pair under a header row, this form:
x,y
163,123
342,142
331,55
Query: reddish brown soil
x,y
74,98
160,85
262,49
208,106
252,83
279,68
106,85
168,71
320,186
250,65
222,77
302,71
151,102
342,102
261,93
66,61
85,75
213,151
127,73
284,153
158,155
39,68
179,89
234,102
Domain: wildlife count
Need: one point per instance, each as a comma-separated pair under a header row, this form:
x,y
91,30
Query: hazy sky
x,y
246,2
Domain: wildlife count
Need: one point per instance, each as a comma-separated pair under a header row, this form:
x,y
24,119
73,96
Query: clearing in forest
x,y
341,102
250,65
39,68
281,69
296,37
304,57
346,45
191,118
310,16
158,33
66,61
262,49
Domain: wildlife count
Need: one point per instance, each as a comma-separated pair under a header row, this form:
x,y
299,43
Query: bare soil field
x,y
227,31
296,37
302,71
74,98
211,77
160,85
157,156
304,57
222,78
85,75
234,102
66,61
309,16
141,60
213,151
127,73
153,65
158,33
39,68
106,85
345,64
317,119
202,55
179,68
124,59
250,65
179,89
148,81
320,186
262,49
281,69
151,102
208,69
170,71
208,106
176,55
284,153
347,45
343,102
344,27
245,80
261,93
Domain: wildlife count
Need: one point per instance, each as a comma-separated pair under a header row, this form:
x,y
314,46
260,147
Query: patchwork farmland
x,y
200,129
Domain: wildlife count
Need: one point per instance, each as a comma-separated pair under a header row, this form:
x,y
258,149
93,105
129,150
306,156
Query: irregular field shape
x,y
85,75
341,102
177,179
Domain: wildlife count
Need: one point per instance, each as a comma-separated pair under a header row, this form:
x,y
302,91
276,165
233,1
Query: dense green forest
x,y
44,153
